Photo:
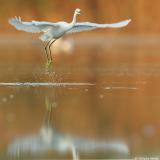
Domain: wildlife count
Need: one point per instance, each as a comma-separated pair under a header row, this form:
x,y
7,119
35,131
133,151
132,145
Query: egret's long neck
x,y
74,19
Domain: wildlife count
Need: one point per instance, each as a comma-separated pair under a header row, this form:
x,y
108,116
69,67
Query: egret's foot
x,y
49,64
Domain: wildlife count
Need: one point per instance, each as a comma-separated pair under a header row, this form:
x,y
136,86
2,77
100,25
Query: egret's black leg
x,y
46,46
53,40
49,55
46,50
49,60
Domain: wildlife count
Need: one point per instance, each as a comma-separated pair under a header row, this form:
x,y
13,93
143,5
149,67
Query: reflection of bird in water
x,y
53,31
49,139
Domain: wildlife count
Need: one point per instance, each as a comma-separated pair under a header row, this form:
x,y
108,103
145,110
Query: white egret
x,y
53,31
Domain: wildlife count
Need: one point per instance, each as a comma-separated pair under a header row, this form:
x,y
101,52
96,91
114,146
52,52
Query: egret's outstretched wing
x,y
34,26
90,26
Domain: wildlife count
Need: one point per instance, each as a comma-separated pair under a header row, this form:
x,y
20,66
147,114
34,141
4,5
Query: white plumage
x,y
84,26
49,28
53,31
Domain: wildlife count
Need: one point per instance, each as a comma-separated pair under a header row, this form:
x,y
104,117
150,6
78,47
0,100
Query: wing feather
x,y
84,26
33,27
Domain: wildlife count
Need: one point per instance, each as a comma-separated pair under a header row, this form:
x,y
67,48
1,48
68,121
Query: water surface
x,y
97,102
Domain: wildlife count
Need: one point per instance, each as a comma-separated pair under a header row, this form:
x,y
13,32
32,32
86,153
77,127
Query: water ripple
x,y
38,84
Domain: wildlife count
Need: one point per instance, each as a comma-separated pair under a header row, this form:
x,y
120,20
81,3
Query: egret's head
x,y
78,11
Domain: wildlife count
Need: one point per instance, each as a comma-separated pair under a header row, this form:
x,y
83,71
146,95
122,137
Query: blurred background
x,y
144,15
123,65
